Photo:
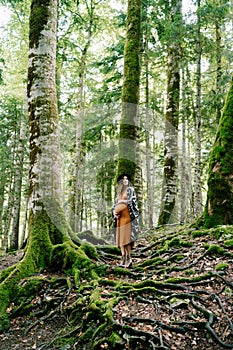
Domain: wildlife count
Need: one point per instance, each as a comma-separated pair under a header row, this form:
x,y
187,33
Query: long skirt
x,y
123,229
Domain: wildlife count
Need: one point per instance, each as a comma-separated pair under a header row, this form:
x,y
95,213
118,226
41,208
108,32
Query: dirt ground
x,y
149,314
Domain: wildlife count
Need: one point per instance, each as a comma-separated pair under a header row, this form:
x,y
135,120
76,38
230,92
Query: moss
x,y
6,273
228,243
219,205
130,92
178,280
115,340
28,287
89,250
179,257
200,233
38,19
174,243
189,272
152,262
215,249
221,266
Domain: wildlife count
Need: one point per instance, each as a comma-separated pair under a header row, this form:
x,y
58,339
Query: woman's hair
x,y
121,187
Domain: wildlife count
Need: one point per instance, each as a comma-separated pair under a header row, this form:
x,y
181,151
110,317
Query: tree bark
x,y
14,241
219,204
167,213
197,184
76,193
130,92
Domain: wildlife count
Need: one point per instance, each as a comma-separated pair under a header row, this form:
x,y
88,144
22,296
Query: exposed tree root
x,y
103,306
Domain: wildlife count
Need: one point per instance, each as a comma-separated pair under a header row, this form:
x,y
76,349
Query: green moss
x,y
115,340
228,243
174,243
200,233
28,287
152,262
221,266
219,205
38,19
179,257
89,250
215,249
6,273
189,272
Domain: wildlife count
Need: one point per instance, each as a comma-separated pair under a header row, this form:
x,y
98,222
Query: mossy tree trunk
x,y
130,91
219,204
172,115
50,239
45,167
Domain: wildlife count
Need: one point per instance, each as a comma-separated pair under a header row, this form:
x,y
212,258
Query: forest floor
x,y
177,295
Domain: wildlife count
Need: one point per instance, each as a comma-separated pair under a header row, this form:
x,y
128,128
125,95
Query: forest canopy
x,y
89,80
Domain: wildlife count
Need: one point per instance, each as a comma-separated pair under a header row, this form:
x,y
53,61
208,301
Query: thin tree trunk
x,y
198,184
10,199
148,144
183,184
219,70
169,196
24,225
2,194
14,242
76,193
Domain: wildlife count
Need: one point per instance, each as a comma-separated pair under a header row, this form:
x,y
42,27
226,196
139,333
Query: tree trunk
x,y
183,184
76,193
14,241
148,128
171,122
219,204
197,185
219,70
130,92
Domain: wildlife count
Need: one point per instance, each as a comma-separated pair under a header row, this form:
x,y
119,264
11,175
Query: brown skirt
x,y
123,229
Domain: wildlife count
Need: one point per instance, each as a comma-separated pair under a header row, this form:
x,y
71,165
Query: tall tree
x,y
76,193
48,238
198,186
219,204
172,115
130,91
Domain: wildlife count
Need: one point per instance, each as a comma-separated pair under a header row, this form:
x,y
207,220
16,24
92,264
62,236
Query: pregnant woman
x,y
125,210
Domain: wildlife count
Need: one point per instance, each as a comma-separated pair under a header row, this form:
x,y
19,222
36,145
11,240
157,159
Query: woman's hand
x,y
117,216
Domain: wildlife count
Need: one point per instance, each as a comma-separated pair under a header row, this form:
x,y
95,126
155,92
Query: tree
x,y
197,187
130,91
49,236
172,116
219,204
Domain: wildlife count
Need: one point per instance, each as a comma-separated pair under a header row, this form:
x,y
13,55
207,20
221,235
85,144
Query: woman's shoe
x,y
123,260
129,262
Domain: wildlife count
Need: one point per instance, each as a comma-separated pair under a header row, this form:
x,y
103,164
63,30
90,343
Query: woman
x,y
125,210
